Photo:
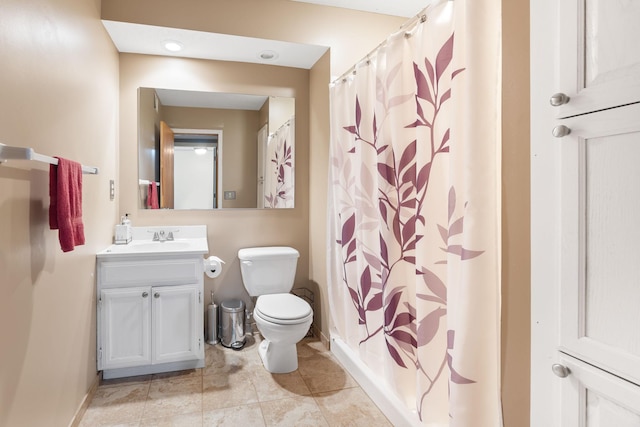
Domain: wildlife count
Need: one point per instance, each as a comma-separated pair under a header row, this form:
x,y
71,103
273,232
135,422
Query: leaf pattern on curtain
x,y
279,190
401,211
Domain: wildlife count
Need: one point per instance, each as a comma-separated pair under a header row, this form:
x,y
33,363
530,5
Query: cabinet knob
x,y
558,99
560,131
145,294
560,370
156,295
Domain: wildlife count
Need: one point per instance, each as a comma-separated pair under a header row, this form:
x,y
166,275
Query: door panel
x,y
598,65
126,328
592,397
176,317
601,247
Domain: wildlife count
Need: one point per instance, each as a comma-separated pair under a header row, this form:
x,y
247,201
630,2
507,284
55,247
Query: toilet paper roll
x,y
213,266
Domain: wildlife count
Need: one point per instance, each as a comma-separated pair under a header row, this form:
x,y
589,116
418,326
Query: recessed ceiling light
x,y
200,151
172,45
268,55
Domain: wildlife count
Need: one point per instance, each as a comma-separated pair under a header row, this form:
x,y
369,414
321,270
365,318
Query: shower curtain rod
x,y
416,19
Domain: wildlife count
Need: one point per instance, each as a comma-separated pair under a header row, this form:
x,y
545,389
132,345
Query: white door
x,y
177,323
585,195
125,316
194,178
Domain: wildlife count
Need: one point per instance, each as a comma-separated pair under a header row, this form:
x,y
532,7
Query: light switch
x,y
112,189
229,195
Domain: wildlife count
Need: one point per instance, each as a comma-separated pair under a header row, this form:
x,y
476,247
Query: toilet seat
x,y
283,309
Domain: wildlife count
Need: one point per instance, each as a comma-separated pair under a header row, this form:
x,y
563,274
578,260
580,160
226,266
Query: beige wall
x,y
318,176
280,110
59,95
148,135
516,253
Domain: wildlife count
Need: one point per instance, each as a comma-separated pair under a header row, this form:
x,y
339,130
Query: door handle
x,y
156,295
560,131
145,294
560,370
558,99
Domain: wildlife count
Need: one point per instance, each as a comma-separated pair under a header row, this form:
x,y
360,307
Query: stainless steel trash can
x,y
232,324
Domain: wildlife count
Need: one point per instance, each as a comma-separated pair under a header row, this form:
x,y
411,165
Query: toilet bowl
x,y
281,329
282,318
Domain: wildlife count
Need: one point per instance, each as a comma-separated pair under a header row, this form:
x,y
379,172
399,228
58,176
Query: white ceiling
x,y
148,40
406,8
186,98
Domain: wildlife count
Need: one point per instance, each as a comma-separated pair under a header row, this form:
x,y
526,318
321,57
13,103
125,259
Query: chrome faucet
x,y
162,236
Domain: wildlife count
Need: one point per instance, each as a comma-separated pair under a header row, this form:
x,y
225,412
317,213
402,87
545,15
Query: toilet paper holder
x,y
213,266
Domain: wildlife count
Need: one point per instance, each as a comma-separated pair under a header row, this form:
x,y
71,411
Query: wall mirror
x,y
206,150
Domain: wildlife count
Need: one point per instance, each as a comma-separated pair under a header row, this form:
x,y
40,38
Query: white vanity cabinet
x,y
150,311
149,325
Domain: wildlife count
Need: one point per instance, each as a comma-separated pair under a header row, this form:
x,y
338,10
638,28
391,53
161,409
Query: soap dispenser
x,y
123,231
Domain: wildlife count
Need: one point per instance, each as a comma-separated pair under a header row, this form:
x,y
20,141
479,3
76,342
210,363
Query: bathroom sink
x,y
193,240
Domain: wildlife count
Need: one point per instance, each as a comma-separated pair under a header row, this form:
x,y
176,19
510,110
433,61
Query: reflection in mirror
x,y
204,150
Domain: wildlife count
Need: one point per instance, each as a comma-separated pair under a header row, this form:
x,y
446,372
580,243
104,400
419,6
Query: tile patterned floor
x,y
234,389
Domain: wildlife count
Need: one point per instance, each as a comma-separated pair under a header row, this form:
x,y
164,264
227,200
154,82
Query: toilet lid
x,y
282,307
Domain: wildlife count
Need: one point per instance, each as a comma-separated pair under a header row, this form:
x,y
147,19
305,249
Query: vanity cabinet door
x,y
125,317
177,323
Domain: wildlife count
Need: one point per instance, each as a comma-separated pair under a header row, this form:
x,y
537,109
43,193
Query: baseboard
x,y
317,333
326,342
75,421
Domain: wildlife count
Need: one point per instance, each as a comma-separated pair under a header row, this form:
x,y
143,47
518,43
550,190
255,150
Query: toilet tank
x,y
268,270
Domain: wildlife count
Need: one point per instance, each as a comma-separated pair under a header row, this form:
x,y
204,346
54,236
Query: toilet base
x,y
278,358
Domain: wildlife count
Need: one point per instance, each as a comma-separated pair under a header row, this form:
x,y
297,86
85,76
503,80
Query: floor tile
x,y
219,359
227,390
173,396
278,386
310,347
324,373
245,416
183,420
299,412
116,405
350,407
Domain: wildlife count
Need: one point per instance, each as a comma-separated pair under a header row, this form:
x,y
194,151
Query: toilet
x,y
282,318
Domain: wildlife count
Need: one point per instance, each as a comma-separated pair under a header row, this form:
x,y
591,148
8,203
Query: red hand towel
x,y
65,208
153,193
149,197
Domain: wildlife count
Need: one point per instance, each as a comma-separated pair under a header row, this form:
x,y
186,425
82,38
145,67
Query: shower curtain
x,y
280,170
414,215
